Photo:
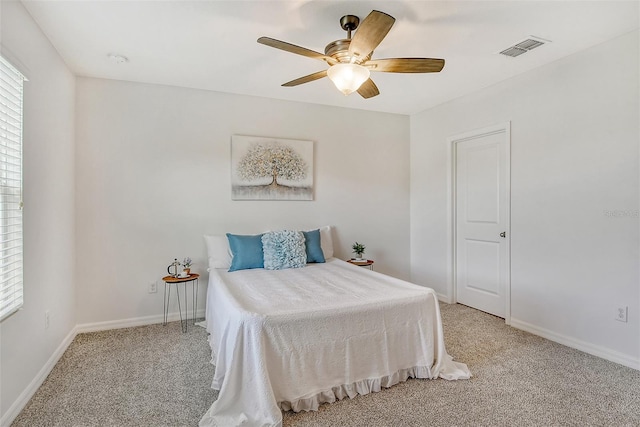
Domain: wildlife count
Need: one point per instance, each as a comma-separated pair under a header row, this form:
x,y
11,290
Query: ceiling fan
x,y
350,59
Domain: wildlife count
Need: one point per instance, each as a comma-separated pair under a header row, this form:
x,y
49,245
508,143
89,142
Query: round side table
x,y
366,263
170,280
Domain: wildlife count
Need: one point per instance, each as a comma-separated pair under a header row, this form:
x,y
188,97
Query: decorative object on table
x,y
358,249
271,168
186,264
172,269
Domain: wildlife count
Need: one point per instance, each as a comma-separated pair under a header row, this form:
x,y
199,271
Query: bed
x,y
293,339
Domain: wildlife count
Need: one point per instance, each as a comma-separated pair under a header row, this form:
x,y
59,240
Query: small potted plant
x,y
186,264
358,249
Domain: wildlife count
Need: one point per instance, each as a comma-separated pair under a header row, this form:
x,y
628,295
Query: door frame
x,y
451,207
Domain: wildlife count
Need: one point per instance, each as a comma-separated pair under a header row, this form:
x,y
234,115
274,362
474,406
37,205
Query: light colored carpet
x,y
157,376
146,376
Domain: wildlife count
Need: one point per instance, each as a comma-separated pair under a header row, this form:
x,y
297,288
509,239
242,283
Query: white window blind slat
x,y
14,249
10,302
11,183
8,114
9,93
10,176
13,296
13,170
13,275
12,75
8,100
9,163
11,236
11,305
10,151
9,124
12,132
8,298
5,212
9,97
8,295
12,139
12,79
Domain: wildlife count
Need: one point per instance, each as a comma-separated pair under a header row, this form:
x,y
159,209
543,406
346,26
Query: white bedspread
x,y
296,338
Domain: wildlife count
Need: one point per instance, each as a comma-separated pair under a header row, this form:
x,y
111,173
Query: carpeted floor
x,y
157,376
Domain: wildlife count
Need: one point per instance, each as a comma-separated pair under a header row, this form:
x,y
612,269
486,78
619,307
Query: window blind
x,y
11,96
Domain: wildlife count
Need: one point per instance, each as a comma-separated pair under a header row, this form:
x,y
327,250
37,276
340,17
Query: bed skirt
x,y
352,390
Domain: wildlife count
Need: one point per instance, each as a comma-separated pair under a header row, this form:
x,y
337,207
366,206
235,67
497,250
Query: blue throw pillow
x,y
283,249
312,246
246,250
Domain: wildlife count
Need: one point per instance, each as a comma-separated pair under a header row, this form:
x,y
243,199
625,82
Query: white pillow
x,y
326,242
218,251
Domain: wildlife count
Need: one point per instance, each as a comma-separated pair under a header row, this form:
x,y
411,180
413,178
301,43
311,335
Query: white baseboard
x,y
26,395
605,353
444,298
132,322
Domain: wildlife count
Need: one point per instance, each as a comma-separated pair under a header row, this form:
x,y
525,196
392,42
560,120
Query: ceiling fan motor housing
x,y
339,49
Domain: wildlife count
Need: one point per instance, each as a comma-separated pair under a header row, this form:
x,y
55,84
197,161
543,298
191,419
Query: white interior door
x,y
482,220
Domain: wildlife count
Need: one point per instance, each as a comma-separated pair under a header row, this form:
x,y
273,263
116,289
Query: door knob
x,y
503,234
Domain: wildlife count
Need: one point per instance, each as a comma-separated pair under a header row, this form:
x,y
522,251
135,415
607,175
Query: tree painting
x,y
273,161
271,169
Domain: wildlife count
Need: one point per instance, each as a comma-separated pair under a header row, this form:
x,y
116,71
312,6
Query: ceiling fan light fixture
x,y
348,77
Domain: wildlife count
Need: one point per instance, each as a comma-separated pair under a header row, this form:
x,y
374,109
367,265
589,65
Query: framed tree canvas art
x,y
271,168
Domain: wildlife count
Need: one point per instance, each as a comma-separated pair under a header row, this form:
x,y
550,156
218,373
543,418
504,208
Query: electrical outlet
x,y
621,313
46,319
153,287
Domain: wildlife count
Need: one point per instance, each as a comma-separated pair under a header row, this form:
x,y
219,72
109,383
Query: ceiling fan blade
x,y
405,65
368,89
370,33
306,79
298,50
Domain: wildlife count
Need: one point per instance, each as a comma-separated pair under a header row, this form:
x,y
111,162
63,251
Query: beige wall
x,y
574,157
153,176
49,188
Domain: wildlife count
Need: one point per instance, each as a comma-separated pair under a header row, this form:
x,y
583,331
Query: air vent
x,y
529,44
523,47
513,51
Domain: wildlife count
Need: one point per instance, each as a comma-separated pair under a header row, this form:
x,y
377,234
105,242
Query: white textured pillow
x,y
283,249
326,242
218,251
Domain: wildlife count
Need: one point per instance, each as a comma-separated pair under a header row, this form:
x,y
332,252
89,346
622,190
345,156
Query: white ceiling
x,y
212,44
